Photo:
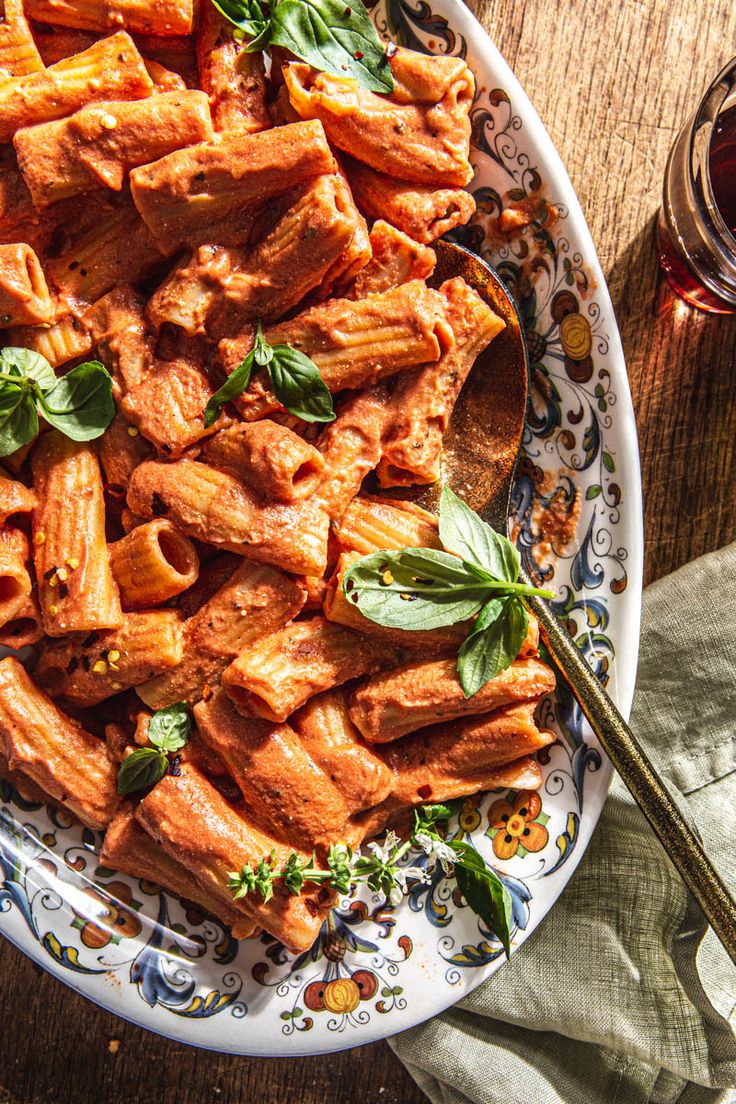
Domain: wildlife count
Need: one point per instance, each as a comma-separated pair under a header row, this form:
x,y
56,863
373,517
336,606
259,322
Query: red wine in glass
x,y
697,248
722,163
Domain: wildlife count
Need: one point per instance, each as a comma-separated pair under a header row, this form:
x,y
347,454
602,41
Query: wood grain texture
x,y
612,82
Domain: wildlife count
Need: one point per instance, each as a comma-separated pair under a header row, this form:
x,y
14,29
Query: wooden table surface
x,y
612,82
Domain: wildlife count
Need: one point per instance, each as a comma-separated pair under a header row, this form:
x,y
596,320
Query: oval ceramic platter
x,y
376,969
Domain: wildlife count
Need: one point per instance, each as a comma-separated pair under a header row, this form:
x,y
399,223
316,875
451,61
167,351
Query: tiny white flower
x,y
391,841
420,873
396,895
438,850
382,853
400,878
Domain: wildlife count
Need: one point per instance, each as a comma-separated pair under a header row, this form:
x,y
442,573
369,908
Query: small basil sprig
x,y
426,588
382,872
79,404
295,379
330,35
168,731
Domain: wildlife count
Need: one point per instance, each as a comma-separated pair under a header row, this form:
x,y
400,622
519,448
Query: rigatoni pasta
x,y
249,604
182,195
279,673
274,461
24,293
53,750
76,590
99,145
165,17
18,52
153,563
233,78
111,69
86,671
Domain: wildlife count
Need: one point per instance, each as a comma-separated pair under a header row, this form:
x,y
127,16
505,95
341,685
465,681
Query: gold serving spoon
x,y
482,449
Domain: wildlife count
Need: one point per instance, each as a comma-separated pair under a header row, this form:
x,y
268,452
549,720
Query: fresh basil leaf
x,y
484,891
248,15
234,385
29,364
297,383
262,351
333,36
81,403
490,650
463,532
491,611
440,591
18,418
141,769
169,728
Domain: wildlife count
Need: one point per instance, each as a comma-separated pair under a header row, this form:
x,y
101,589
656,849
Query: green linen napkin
x,y
617,998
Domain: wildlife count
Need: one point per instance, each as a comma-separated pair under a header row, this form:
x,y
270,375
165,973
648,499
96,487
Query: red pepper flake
x,y
348,11
358,55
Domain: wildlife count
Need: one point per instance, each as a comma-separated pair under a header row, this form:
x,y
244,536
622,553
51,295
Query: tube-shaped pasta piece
x,y
118,326
371,524
129,849
25,786
98,145
168,405
396,260
396,702
181,195
54,751
165,17
25,628
253,602
60,342
338,607
444,761
217,508
18,52
280,673
69,537
424,400
15,498
421,132
118,249
24,295
351,446
153,563
217,289
355,344
276,463
111,69
522,774
334,743
356,254
423,211
87,671
234,80
122,449
197,828
56,43
15,582
286,793
19,219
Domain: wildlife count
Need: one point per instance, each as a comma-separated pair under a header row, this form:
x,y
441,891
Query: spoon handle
x,y
645,784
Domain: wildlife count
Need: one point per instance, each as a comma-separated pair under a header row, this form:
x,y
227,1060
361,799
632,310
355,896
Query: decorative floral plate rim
x,y
376,970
